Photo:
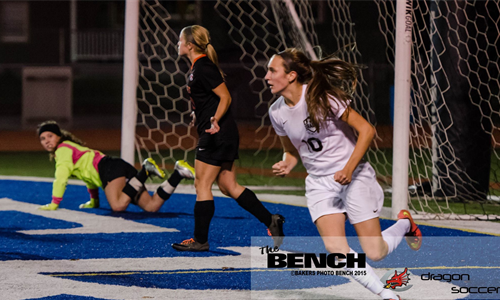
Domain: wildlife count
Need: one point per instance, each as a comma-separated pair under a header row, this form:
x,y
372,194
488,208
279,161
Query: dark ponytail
x,y
326,78
331,77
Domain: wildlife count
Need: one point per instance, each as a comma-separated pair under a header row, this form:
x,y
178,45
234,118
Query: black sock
x,y
133,187
175,178
203,213
142,175
167,188
249,201
163,194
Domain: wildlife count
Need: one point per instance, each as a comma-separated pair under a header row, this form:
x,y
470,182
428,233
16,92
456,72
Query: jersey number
x,y
313,144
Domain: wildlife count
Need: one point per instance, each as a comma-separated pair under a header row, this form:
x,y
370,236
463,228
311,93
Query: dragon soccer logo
x,y
397,279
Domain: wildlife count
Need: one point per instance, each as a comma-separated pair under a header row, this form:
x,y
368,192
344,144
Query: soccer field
x,y
99,254
254,169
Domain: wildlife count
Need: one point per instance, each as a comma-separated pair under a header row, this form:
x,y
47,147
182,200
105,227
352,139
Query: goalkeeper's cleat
x,y
191,245
275,230
184,169
152,168
50,206
92,203
414,236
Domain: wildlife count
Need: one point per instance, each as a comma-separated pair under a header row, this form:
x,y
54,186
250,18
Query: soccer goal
x,y
440,156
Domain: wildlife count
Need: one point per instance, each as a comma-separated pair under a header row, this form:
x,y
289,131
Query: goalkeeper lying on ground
x,y
121,182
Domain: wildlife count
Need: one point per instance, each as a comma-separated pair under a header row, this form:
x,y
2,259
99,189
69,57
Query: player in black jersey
x,y
218,142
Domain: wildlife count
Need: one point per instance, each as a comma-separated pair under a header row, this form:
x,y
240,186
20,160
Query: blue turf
x,y
66,297
237,279
231,226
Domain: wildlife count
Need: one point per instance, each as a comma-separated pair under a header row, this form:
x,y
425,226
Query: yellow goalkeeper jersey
x,y
78,161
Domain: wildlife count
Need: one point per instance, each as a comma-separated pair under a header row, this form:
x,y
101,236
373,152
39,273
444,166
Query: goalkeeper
x,y
121,182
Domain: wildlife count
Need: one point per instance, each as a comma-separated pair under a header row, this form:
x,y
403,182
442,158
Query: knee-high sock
x,y
142,175
203,213
394,234
134,189
249,201
370,281
167,188
135,185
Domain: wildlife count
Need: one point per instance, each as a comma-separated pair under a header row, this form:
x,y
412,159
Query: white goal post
x,y
130,75
402,88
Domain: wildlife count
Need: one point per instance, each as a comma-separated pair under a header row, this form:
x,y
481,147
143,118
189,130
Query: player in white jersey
x,y
314,121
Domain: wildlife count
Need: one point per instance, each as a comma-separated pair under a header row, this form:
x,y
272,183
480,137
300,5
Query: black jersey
x,y
205,77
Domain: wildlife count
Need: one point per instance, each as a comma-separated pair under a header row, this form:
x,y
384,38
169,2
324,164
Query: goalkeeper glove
x,y
50,206
93,203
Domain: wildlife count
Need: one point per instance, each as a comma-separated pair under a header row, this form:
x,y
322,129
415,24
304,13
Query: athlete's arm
x,y
366,133
64,169
290,158
225,101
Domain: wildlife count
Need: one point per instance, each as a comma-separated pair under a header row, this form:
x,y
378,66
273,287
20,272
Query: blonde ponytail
x,y
200,38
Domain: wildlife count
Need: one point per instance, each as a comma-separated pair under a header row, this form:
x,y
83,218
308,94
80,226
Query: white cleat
x,y
184,169
152,168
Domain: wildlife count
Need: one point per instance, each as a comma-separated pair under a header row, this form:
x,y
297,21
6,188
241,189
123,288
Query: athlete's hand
x,y
281,169
193,119
50,206
215,126
93,203
343,177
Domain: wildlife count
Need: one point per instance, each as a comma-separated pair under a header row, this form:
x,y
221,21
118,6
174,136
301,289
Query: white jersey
x,y
322,153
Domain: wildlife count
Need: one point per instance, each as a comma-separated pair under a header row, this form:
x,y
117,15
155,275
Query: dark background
x,y
97,83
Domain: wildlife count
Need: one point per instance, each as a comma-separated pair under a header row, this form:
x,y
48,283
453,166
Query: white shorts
x,y
362,199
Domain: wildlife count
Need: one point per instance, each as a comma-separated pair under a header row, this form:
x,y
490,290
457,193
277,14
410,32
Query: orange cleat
x,y
414,236
190,245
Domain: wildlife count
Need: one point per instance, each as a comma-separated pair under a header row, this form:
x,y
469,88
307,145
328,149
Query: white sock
x,y
135,183
388,294
167,187
394,234
370,280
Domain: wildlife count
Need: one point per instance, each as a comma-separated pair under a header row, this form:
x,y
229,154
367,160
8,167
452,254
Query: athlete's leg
x,y
205,177
364,199
204,207
118,200
153,203
376,244
150,203
247,199
114,193
182,170
227,181
370,237
134,190
332,229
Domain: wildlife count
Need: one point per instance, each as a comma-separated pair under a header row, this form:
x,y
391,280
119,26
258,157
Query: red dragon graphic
x,y
398,279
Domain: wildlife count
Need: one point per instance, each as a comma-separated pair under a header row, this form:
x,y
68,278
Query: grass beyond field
x,y
252,169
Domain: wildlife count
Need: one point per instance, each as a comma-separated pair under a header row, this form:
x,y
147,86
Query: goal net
x,y
455,108
454,137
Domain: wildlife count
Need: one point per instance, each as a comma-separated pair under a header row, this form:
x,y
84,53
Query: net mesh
x,y
259,29
454,99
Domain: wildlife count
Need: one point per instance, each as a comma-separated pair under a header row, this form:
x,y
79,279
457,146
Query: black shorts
x,y
215,150
111,168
